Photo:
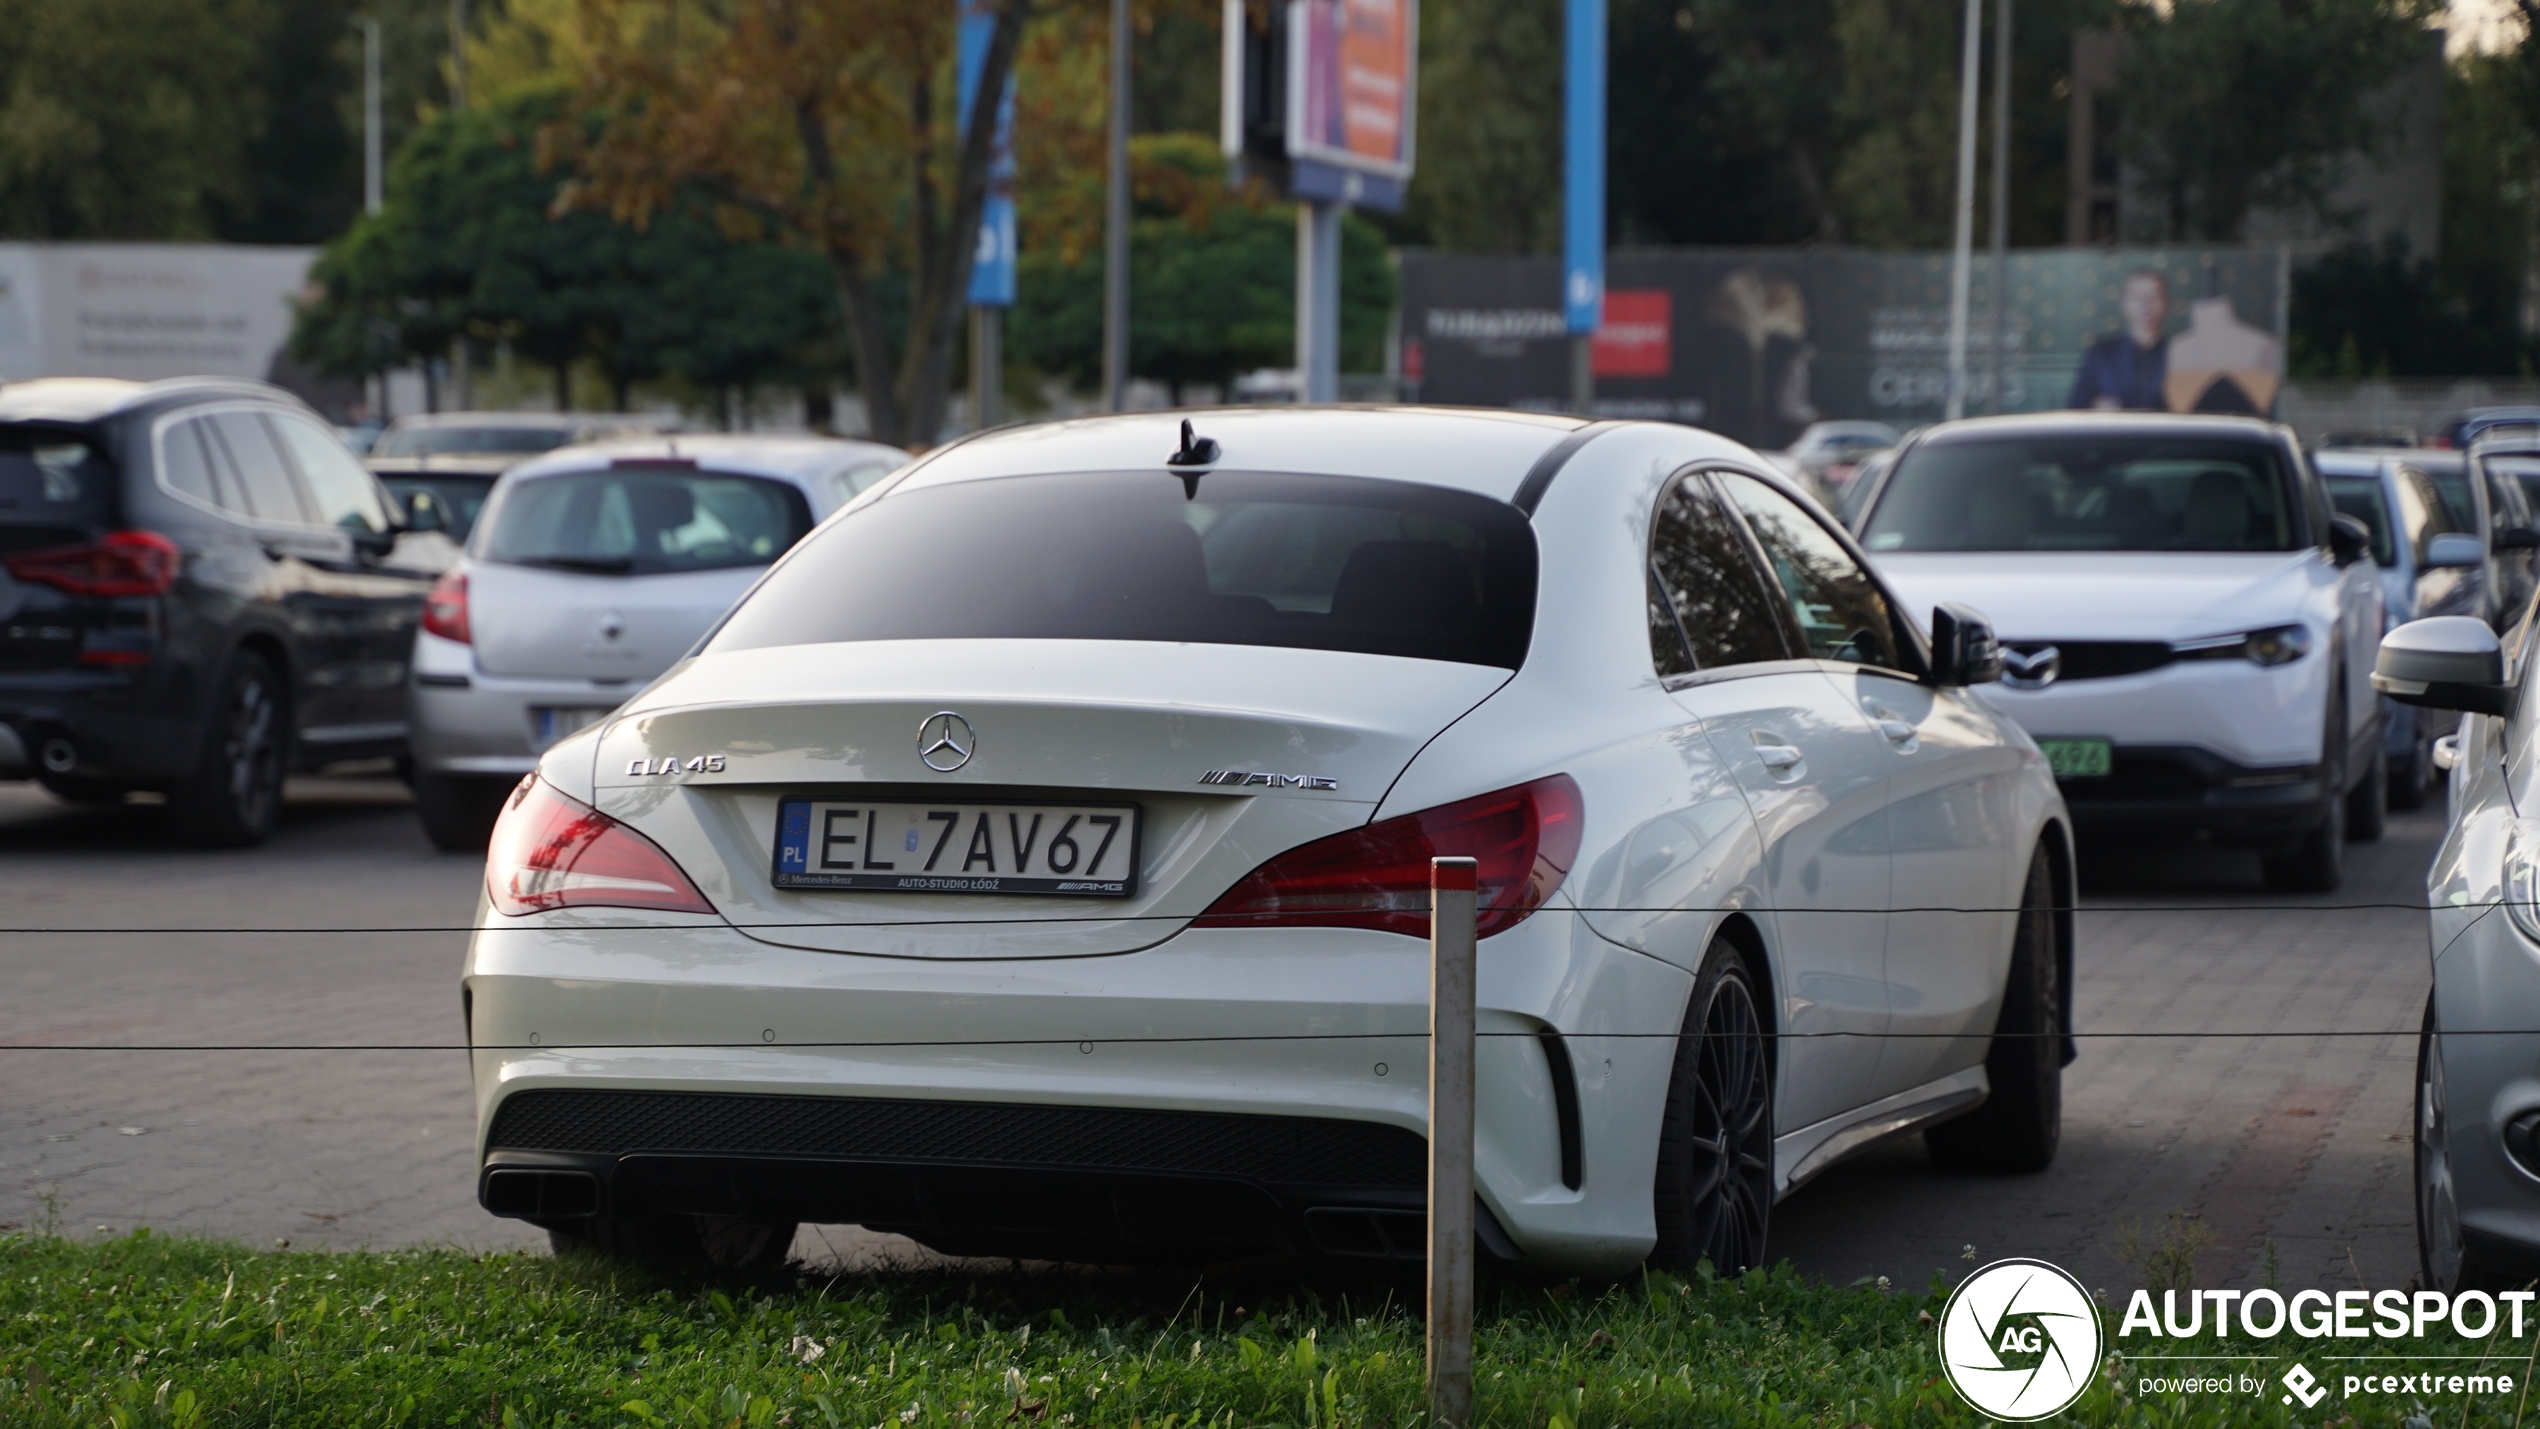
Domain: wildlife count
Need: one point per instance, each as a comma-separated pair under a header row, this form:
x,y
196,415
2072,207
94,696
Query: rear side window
x,y
644,520
255,463
2361,498
1234,558
55,477
346,496
1704,572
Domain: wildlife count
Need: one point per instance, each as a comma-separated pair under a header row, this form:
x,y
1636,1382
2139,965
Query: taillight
x,y
117,563
549,851
445,610
1378,877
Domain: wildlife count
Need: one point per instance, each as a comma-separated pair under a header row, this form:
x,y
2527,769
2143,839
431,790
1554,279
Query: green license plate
x,y
2077,758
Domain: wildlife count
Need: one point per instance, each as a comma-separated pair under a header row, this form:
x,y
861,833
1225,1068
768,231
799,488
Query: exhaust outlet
x,y
60,756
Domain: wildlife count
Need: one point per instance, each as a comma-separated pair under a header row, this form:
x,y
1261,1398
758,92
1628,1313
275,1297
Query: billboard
x,y
1757,343
146,310
1350,87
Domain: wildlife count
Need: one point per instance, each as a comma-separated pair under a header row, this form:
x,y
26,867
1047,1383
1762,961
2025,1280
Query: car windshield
x,y
461,496
470,441
2525,469
2362,498
643,520
2088,493
1226,558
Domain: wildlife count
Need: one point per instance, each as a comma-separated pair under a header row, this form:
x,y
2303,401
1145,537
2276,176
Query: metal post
x,y
1115,259
987,366
1970,71
1583,373
2001,202
1453,885
374,189
1318,300
1582,188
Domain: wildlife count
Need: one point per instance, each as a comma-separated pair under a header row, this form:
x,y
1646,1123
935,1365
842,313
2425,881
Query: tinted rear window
x,y
1306,562
55,477
2090,493
643,521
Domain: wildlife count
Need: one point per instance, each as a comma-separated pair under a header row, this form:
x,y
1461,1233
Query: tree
x,y
127,118
829,123
2232,105
1489,174
1212,280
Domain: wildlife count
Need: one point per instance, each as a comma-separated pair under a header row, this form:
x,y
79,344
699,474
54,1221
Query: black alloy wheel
x,y
1714,1187
2368,803
2021,1120
2317,864
2413,771
458,811
233,799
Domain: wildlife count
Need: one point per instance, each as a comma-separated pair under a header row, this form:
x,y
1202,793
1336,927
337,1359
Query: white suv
x,y
2188,627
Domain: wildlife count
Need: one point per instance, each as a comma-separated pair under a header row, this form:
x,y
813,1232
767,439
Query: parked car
x,y
2462,428
594,569
1829,451
203,590
1052,829
452,458
2499,457
2373,438
2477,1107
2187,626
2430,565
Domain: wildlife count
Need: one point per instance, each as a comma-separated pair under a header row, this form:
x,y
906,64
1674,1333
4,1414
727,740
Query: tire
x,y
2410,775
724,1245
2019,1125
2318,863
2368,803
2446,1259
233,799
1714,1187
458,812
73,789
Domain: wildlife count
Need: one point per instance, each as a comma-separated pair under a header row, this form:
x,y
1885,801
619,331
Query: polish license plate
x,y
957,846
550,723
2078,758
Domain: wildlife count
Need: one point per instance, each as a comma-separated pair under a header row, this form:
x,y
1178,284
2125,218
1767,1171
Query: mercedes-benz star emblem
x,y
944,741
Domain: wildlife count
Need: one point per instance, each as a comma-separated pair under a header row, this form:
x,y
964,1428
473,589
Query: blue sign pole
x,y
992,264
1583,189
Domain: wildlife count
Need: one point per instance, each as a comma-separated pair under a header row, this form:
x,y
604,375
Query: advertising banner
x,y
992,268
146,310
1757,343
1352,94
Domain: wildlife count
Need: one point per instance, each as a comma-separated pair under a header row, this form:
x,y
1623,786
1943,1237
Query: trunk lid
x,y
537,623
1097,721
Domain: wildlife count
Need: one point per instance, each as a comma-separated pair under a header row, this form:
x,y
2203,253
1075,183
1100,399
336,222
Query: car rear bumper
x,y
1224,1089
466,723
139,726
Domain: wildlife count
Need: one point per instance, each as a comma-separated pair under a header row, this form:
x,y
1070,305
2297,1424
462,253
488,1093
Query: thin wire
x,y
1238,919
1087,1043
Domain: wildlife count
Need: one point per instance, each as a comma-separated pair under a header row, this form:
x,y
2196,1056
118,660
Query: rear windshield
x,y
643,521
55,477
2088,493
469,441
463,497
1239,558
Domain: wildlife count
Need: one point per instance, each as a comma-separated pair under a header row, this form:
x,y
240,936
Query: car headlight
x,y
2522,878
2275,645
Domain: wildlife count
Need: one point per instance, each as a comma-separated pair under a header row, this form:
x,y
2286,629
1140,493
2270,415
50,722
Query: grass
x,y
154,1330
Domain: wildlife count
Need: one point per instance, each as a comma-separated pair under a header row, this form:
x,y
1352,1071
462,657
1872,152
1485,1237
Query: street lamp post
x,y
1115,248
1960,258
373,184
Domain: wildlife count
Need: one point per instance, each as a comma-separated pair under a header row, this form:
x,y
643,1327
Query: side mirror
x,y
2453,550
2349,540
2516,538
2448,662
423,512
1963,650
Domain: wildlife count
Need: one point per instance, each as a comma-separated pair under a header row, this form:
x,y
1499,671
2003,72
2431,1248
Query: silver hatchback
x,y
592,571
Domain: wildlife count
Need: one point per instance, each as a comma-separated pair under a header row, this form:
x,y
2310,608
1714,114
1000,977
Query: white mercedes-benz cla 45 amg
x,y
1036,862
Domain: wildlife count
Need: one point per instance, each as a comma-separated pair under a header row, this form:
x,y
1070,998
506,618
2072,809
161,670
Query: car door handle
x,y
1780,757
1896,730
2447,752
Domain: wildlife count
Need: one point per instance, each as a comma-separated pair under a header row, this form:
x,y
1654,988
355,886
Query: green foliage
x,y
146,1330
1489,173
468,245
2231,105
127,118
1212,282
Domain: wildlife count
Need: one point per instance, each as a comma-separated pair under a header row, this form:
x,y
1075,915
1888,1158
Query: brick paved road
x,y
2294,1143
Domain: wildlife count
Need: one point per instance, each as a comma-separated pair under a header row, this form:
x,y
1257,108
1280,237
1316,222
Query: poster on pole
x,y
992,267
1353,89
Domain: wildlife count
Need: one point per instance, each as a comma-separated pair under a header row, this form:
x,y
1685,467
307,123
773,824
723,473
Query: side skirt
x,y
1800,1155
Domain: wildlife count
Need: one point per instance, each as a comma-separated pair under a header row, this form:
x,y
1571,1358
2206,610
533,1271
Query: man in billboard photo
x,y
2126,370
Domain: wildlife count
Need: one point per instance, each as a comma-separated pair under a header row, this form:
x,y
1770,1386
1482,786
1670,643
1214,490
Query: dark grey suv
x,y
200,590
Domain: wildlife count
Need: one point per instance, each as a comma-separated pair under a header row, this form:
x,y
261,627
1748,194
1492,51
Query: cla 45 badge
x,y
673,764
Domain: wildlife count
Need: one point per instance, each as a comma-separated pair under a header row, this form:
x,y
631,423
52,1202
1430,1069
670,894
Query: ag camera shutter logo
x,y
2019,1340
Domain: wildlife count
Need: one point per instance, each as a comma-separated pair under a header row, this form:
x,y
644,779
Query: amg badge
x,y
1272,781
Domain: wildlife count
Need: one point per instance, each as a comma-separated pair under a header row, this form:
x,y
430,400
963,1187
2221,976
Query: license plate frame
x,y
2084,758
952,850
554,724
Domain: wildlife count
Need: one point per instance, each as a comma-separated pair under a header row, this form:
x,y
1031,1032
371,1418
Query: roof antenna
x,y
1196,451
